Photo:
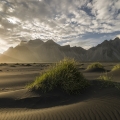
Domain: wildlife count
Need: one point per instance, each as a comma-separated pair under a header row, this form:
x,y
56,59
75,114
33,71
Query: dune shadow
x,y
53,99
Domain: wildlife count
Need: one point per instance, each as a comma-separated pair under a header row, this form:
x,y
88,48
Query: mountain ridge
x,y
50,51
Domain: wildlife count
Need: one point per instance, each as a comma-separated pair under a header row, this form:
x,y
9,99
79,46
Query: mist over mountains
x,y
39,51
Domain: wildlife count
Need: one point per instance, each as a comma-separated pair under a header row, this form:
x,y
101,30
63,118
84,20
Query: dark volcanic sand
x,y
16,103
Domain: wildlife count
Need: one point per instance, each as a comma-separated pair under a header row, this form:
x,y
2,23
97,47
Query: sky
x,y
83,23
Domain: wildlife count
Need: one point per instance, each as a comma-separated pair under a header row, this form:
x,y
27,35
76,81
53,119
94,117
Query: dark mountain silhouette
x,y
39,51
106,51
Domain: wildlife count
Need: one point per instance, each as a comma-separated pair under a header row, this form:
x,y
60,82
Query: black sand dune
x,y
93,74
17,103
17,79
96,104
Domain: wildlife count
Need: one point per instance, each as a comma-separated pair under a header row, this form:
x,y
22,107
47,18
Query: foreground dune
x,y
93,109
97,104
17,103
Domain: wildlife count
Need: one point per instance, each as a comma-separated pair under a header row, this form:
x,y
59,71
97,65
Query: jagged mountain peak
x,y
50,51
67,46
51,43
117,38
36,41
105,43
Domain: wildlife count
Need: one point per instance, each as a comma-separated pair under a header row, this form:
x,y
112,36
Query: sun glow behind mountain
x,y
36,51
84,23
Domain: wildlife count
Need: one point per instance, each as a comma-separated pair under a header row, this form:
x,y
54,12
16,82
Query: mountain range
x,y
39,51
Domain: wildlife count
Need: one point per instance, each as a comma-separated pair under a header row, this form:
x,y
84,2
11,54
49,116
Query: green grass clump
x,y
107,81
106,77
64,75
116,67
95,65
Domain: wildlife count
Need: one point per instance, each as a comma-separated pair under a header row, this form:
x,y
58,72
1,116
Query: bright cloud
x,y
65,21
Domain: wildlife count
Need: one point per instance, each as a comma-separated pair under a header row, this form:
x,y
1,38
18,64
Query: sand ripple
x,y
92,109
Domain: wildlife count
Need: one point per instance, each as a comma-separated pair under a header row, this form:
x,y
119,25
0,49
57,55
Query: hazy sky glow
x,y
82,23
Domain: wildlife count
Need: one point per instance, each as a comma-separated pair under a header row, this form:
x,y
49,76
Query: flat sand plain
x,y
17,103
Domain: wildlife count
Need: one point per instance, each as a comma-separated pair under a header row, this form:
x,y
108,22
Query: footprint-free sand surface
x,y
17,103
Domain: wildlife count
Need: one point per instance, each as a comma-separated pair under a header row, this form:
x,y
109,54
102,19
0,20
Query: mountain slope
x,y
8,59
39,51
106,51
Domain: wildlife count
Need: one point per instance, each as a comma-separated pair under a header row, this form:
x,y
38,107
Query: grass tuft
x,y
64,75
95,65
107,81
106,77
116,67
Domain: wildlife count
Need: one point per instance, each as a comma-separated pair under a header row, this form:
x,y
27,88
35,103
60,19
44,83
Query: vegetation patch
x,y
28,65
17,64
95,65
3,64
107,81
116,67
106,77
64,75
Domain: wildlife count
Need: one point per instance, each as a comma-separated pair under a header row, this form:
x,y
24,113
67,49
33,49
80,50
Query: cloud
x,y
118,36
107,9
63,20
